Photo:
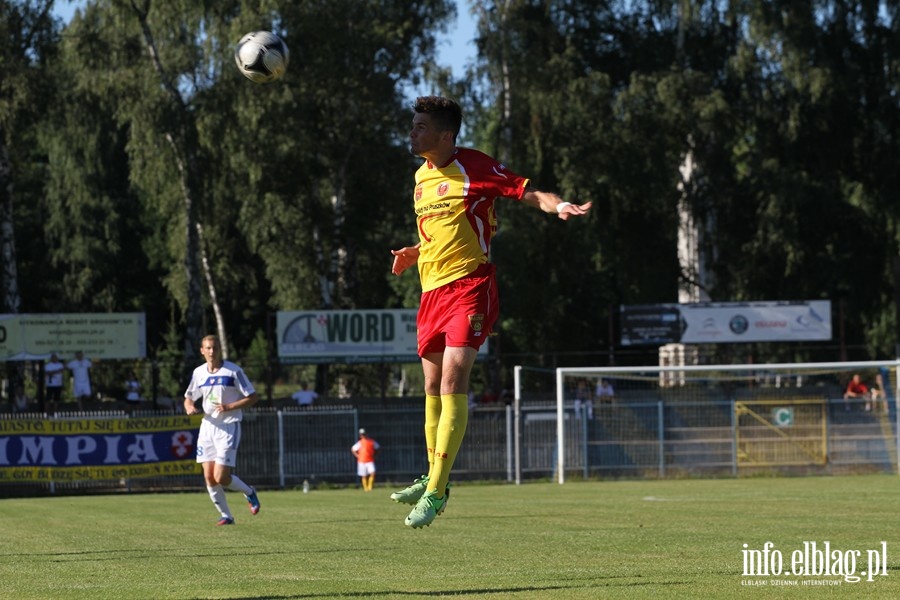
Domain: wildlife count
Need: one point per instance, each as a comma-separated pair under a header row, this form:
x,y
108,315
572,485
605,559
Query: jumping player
x,y
225,391
454,204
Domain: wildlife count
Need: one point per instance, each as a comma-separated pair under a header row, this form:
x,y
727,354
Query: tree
x,y
285,195
783,107
27,38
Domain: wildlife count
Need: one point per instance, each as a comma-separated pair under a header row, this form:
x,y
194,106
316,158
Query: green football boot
x,y
411,494
427,509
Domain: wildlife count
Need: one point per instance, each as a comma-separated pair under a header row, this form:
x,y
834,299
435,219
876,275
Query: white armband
x,y
562,205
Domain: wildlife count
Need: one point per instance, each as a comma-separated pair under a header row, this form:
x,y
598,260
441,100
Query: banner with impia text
x,y
41,450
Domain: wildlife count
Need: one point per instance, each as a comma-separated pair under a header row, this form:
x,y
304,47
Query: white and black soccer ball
x,y
261,56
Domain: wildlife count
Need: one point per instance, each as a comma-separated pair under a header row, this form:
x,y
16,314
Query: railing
x,y
283,448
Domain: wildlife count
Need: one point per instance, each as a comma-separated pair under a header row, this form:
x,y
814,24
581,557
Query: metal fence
x,y
284,448
711,439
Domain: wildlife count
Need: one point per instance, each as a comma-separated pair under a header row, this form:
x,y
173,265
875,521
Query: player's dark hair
x,y
445,113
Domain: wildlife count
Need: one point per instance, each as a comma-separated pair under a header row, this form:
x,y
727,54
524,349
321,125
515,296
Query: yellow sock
x,y
432,418
450,433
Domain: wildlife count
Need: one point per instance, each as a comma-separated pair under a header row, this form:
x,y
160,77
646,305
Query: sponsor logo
x,y
770,324
738,324
418,193
433,207
443,189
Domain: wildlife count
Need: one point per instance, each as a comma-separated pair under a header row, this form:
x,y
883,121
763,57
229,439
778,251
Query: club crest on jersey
x,y
223,380
418,192
476,322
443,189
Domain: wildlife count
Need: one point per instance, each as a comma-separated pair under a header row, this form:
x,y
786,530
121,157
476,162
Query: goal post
x,y
726,418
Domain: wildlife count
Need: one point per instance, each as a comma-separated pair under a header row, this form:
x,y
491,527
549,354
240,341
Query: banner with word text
x,y
98,335
41,450
349,336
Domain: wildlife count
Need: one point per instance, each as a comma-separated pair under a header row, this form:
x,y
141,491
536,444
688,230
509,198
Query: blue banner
x,y
72,450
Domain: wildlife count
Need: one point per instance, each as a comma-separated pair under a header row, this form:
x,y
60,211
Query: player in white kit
x,y
225,391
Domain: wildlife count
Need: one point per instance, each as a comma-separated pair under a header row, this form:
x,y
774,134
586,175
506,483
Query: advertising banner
x,y
349,336
84,449
726,322
98,335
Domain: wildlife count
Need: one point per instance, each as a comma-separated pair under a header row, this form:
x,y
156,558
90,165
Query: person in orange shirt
x,y
365,450
454,200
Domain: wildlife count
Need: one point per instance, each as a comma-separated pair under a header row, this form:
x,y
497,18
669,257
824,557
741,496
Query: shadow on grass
x,y
600,582
165,553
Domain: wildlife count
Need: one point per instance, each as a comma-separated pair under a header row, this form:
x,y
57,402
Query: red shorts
x,y
460,313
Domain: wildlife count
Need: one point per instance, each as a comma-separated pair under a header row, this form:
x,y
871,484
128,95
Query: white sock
x,y
237,485
217,495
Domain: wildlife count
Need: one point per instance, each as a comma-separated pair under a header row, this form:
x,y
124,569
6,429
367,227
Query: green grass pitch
x,y
617,539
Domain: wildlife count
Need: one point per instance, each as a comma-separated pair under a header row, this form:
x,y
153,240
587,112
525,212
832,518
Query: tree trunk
x,y
211,288
182,140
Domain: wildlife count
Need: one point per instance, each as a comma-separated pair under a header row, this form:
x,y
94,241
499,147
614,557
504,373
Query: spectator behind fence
x,y
53,382
856,389
304,396
81,379
604,391
20,402
879,394
133,392
583,400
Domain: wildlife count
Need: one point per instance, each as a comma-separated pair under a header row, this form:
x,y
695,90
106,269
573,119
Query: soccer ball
x,y
261,56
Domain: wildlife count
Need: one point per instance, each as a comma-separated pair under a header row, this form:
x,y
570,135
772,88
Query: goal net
x,y
671,420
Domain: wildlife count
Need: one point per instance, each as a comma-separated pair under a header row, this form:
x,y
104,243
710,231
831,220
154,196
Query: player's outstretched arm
x,y
552,203
404,258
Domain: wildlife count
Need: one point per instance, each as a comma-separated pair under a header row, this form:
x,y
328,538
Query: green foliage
x,y
27,44
254,360
174,371
784,110
297,209
788,110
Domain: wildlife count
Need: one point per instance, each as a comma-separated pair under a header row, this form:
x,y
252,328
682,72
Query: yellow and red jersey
x,y
455,213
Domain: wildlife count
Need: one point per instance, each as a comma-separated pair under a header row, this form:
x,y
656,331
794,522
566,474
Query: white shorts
x,y
363,469
218,442
81,389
